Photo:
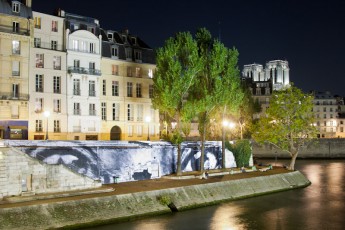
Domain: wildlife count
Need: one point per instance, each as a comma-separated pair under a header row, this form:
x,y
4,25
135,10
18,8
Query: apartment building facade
x,y
127,88
16,31
48,74
329,115
52,81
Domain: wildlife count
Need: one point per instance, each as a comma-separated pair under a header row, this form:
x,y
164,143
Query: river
x,y
318,206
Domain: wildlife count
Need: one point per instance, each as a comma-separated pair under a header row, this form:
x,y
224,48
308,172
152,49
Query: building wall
x,y
142,105
14,71
22,174
53,66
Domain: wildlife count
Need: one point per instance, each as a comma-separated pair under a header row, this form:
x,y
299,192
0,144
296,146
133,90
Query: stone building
x,y
16,32
262,81
84,82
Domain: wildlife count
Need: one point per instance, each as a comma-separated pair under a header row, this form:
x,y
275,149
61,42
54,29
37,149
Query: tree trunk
x,y
293,160
179,171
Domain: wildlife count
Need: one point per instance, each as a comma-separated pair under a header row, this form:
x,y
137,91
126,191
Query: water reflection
x,y
318,206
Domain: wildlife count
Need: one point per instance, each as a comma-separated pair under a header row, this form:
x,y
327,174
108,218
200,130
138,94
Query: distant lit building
x,y
262,81
329,115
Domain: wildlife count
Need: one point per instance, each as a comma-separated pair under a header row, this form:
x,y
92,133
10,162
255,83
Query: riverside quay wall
x,y
101,210
320,148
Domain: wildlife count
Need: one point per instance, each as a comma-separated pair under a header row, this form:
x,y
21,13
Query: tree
x,y
289,122
178,64
217,85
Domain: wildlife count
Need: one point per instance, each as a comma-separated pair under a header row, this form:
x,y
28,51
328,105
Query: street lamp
x,y
148,120
47,114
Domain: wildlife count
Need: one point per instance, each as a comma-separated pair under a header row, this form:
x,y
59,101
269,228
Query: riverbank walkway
x,y
171,181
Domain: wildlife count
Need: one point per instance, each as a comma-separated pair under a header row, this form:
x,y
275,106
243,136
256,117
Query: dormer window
x,y
134,41
15,7
114,51
137,54
110,36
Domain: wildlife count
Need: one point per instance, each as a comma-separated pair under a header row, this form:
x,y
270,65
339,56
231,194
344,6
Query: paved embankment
x,y
120,207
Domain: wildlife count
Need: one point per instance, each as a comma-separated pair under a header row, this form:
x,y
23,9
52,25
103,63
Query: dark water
x,y
319,206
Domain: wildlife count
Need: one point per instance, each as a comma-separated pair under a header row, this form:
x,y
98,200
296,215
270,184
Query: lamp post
x,y
47,114
148,120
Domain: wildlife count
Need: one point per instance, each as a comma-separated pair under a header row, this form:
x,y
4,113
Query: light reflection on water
x,y
318,206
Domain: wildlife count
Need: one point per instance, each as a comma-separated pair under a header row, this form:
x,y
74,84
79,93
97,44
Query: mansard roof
x,y
125,40
6,8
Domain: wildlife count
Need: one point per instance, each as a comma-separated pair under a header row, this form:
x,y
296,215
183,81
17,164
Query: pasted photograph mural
x,y
126,161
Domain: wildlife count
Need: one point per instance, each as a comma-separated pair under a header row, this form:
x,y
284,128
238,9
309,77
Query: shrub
x,y
242,151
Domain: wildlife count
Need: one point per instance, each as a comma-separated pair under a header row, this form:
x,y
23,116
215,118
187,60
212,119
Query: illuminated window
x,y
115,70
137,72
54,26
150,73
57,62
15,47
39,60
39,105
37,22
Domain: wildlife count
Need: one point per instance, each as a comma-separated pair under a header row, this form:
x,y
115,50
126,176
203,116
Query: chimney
x,y
28,3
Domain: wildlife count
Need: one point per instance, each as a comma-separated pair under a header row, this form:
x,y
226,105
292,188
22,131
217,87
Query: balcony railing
x,y
84,51
9,29
92,112
47,45
81,70
92,93
76,92
11,96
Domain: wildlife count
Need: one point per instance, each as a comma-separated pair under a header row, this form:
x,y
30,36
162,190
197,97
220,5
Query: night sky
x,y
310,35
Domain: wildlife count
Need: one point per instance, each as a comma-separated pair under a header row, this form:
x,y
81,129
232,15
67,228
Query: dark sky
x,y
310,35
